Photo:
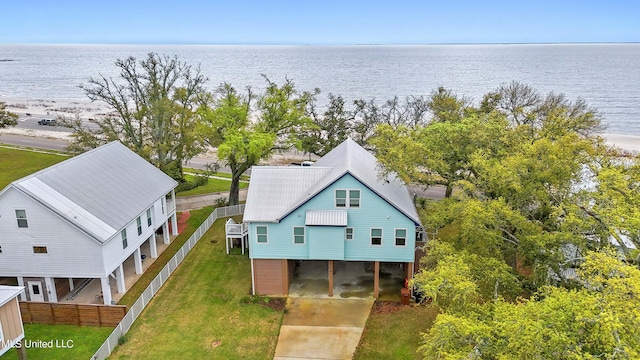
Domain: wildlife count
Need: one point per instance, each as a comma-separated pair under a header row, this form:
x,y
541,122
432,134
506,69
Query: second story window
x,y
354,198
21,217
149,217
348,233
261,232
376,236
139,223
298,235
401,237
123,233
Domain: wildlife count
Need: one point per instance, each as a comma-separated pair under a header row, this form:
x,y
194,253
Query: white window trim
x,y
395,236
347,199
381,236
26,218
123,238
353,233
304,235
149,218
139,225
267,235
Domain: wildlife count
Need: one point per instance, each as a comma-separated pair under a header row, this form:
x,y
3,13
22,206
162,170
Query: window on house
x,y
21,216
261,231
341,198
123,233
39,249
348,233
0,249
139,223
354,198
376,236
401,237
149,217
298,235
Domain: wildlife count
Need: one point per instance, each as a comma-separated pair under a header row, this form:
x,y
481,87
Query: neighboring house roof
x,y
8,293
100,191
276,191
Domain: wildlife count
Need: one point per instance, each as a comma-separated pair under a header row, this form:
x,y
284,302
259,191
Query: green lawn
x,y
219,174
16,163
202,312
83,341
212,186
395,335
196,219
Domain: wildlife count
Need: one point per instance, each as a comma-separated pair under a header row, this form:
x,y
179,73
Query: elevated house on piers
x,y
338,212
81,220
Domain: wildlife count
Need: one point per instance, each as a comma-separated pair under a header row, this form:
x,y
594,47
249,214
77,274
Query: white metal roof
x,y
8,293
275,191
100,191
326,217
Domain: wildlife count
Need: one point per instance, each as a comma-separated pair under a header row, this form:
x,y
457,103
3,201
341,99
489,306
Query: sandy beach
x,y
42,108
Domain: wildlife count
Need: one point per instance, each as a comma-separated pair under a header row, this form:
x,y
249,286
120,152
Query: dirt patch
x,y
386,307
216,343
276,304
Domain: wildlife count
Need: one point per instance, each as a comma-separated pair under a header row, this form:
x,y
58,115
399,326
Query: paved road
x,y
33,141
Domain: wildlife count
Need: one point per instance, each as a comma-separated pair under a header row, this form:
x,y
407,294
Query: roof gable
x,y
100,191
348,157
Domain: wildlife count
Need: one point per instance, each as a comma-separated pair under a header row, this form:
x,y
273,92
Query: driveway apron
x,y
314,328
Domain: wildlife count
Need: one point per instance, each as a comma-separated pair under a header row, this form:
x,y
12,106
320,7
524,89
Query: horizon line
x,y
326,44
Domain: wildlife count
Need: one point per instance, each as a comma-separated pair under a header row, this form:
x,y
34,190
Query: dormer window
x,y
347,198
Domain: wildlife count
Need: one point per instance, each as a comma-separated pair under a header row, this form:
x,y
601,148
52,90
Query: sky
x,y
309,22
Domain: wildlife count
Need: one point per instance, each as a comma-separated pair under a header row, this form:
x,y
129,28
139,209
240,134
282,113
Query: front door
x,y
35,290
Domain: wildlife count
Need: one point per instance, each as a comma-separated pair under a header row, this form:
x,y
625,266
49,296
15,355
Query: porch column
x,y
51,289
174,224
137,260
152,246
165,232
23,295
226,244
120,279
330,277
106,290
376,279
71,286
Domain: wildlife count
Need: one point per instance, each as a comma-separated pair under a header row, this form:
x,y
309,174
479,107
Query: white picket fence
x,y
136,309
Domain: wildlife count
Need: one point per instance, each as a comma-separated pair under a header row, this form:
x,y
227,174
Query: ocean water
x,y
607,76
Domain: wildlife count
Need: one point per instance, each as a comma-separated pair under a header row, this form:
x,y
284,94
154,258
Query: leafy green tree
x,y
328,129
597,320
154,103
245,134
7,118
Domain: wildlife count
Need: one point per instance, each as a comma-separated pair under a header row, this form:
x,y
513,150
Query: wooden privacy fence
x,y
136,309
71,314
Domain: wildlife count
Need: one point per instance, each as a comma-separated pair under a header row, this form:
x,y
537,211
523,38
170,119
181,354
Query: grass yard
x,y
17,163
202,312
85,341
393,332
196,219
212,186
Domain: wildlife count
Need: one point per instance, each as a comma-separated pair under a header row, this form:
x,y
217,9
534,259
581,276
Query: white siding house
x,y
81,219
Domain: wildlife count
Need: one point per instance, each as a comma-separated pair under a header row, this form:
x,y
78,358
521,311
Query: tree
x,y
154,103
599,319
244,135
7,118
328,129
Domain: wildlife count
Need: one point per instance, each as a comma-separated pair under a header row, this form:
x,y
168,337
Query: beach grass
x,y
70,341
202,311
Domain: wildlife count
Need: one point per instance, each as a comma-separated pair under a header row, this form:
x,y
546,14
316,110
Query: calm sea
x,y
607,76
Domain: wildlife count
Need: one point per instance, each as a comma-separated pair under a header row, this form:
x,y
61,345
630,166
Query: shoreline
x,y
42,108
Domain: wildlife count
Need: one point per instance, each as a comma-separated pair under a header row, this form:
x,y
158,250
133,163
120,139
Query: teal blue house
x,y
338,209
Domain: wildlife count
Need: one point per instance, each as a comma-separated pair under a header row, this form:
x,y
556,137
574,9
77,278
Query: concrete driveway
x,y
315,328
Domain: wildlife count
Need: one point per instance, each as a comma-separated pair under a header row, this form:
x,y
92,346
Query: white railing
x,y
237,229
136,309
